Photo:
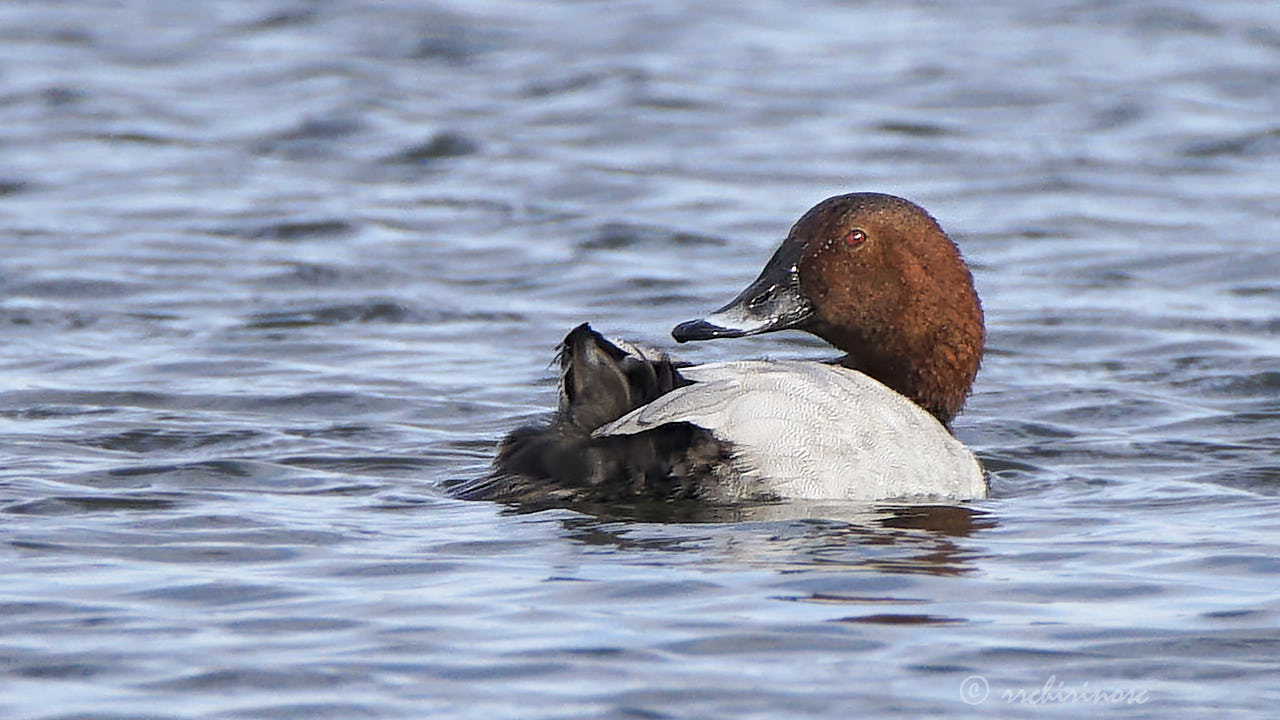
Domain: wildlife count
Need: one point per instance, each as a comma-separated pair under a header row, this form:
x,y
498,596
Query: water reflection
x,y
796,536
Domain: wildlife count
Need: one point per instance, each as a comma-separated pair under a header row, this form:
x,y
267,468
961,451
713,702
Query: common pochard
x,y
875,276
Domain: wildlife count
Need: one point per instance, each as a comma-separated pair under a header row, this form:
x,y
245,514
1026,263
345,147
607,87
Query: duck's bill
x,y
772,302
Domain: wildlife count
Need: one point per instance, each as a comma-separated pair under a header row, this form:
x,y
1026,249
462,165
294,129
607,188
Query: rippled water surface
x,y
272,273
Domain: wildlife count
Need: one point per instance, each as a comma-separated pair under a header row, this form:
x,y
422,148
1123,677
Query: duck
x,y
873,275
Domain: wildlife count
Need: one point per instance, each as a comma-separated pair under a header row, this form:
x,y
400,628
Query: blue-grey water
x,y
273,273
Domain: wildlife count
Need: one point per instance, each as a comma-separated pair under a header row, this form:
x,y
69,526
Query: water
x,y
273,272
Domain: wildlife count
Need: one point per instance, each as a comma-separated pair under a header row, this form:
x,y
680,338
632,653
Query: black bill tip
x,y
702,330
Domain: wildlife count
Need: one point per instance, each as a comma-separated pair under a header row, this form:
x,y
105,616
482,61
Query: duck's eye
x,y
855,238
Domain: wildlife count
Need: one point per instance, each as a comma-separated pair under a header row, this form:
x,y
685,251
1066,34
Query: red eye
x,y
855,238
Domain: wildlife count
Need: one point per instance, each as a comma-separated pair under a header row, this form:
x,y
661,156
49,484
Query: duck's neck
x,y
934,367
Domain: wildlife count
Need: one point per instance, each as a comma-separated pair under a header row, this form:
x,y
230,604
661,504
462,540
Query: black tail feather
x,y
599,383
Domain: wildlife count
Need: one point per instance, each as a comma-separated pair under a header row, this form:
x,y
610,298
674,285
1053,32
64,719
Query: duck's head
x,y
875,276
